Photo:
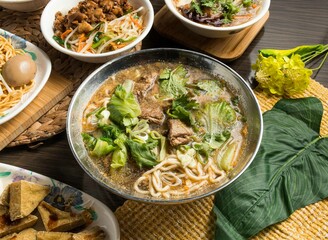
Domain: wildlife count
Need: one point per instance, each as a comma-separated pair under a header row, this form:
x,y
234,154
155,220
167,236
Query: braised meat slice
x,y
144,84
179,133
151,110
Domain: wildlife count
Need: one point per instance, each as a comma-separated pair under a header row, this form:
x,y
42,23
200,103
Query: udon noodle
x,y
9,96
164,178
157,143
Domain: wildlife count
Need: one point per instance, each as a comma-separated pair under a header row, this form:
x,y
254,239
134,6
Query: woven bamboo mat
x,y
196,220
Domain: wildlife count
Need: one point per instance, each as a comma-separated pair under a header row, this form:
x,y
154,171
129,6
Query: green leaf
x,y
120,155
123,104
289,172
141,154
4,174
182,108
216,118
172,82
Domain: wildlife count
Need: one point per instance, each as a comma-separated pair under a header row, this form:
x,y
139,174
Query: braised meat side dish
x,y
98,26
164,129
90,12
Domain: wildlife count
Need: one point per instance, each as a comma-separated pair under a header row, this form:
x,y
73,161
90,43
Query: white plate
x,y
102,215
43,72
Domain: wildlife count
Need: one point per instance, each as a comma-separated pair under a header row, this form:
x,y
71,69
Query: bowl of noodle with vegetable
x,y
164,125
96,30
24,70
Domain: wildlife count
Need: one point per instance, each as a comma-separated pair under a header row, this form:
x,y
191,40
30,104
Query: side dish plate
x,y
42,75
103,216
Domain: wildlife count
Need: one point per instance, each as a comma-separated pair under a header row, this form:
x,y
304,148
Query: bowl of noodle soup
x,y
164,126
95,30
14,99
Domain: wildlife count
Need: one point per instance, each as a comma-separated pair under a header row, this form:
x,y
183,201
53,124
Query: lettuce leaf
x,y
142,154
289,172
120,155
172,82
123,106
98,147
216,118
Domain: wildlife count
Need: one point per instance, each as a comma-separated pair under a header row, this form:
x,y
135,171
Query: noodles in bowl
x,y
161,129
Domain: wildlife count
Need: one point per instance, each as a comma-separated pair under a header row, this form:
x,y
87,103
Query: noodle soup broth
x,y
164,130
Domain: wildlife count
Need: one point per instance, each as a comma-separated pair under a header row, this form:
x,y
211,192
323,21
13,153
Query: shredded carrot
x,y
254,5
64,34
135,22
81,42
116,46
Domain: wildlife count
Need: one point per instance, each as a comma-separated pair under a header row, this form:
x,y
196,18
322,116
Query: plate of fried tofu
x,y
33,206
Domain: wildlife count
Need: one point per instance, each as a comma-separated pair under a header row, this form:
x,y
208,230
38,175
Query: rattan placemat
x,y
196,220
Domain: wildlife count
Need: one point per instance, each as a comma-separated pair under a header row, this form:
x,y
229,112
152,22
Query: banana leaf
x,y
289,172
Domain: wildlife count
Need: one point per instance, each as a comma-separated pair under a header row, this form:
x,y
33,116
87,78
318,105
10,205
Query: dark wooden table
x,y
291,23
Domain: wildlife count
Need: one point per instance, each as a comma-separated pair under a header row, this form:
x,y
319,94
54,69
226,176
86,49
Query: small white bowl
x,y
23,5
54,6
216,32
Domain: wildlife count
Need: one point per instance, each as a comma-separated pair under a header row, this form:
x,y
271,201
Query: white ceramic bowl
x,y
216,32
48,18
23,5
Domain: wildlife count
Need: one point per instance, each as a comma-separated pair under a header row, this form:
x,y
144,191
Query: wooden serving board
x,y
228,49
56,88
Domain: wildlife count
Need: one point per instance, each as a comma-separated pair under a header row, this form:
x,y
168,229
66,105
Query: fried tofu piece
x,y
7,226
61,221
43,235
4,197
3,210
94,233
24,197
27,234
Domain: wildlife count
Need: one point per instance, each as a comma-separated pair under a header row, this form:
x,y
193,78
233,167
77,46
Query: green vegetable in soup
x,y
123,106
182,109
172,82
120,155
142,154
215,118
226,162
211,87
110,130
97,146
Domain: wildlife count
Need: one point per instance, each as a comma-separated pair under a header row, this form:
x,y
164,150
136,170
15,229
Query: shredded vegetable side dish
x,y
164,129
97,26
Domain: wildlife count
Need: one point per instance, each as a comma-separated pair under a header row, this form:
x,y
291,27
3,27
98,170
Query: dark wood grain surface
x,y
291,23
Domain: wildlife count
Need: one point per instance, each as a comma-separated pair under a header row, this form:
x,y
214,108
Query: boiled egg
x,y
19,70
